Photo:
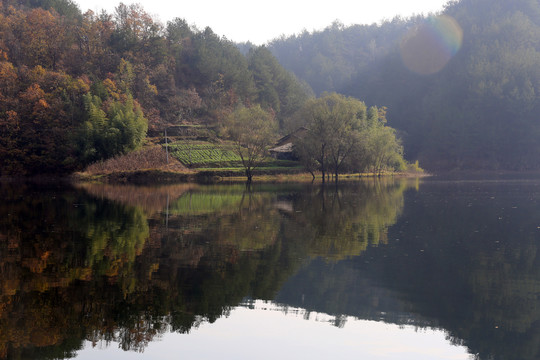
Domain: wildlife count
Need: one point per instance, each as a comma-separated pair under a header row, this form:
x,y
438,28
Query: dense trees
x,y
37,112
91,90
328,60
115,128
277,89
96,88
344,135
478,111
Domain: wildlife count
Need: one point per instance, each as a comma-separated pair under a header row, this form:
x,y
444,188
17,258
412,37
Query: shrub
x,y
147,158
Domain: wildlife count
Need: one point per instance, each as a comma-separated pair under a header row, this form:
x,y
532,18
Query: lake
x,y
377,269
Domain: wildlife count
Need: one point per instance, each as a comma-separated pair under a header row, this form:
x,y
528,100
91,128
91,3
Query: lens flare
x,y
427,48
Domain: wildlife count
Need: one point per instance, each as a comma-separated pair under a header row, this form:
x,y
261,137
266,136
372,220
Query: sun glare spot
x,y
427,48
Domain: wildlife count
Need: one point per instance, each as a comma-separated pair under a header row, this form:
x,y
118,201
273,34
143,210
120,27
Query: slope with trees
x,y
478,111
104,80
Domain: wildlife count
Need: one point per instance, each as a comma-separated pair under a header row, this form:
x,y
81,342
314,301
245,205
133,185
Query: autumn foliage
x,y
76,88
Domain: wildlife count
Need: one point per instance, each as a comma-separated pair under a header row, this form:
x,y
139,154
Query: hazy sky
x,y
243,20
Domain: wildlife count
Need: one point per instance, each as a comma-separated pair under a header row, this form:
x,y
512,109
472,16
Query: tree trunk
x,y
323,168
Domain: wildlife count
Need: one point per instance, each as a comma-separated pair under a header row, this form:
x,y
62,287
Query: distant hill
x,y
462,88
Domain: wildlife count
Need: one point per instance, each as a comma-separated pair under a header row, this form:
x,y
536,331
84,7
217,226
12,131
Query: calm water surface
x,y
389,269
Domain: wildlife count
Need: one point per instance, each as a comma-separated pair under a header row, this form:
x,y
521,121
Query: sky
x,y
258,22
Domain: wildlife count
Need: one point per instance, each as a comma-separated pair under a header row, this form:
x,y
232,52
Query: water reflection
x,y
124,264
268,332
129,265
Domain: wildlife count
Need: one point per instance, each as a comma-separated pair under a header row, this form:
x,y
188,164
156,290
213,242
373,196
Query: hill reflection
x,y
128,264
125,264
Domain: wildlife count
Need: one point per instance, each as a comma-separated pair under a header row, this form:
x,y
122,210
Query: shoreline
x,y
164,177
160,177
157,177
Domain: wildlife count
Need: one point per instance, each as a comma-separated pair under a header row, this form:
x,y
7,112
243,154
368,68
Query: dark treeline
x,y
94,88
475,109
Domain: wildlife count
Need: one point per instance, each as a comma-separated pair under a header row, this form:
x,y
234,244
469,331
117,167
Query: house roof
x,y
288,147
289,139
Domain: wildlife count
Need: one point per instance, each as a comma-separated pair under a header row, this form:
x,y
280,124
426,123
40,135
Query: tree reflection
x,y
342,222
482,249
52,240
462,257
95,264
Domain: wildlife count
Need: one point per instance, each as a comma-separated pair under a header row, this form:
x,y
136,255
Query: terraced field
x,y
204,154
219,158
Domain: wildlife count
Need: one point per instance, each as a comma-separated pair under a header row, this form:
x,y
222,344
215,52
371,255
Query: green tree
x,y
128,118
252,131
381,149
334,122
345,135
384,150
111,128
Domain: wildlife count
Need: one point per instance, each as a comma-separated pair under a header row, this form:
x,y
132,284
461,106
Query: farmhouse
x,y
284,148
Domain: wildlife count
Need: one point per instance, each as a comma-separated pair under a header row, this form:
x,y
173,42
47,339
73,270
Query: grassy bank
x,y
155,177
200,162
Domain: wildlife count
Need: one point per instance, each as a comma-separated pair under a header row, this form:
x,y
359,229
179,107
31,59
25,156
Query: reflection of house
x,y
284,148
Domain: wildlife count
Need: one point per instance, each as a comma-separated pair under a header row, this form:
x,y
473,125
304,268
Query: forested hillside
x,y
80,87
462,88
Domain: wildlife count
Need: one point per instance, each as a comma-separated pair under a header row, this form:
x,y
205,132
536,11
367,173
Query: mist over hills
x,y
461,87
